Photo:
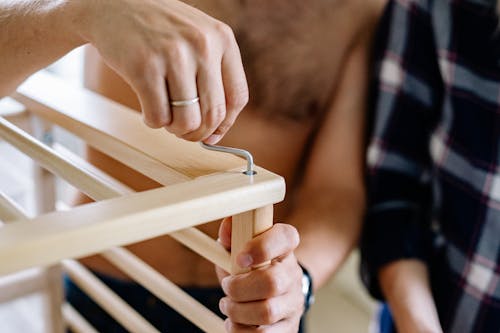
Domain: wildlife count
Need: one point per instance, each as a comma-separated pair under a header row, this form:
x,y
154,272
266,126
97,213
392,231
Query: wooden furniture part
x,y
199,186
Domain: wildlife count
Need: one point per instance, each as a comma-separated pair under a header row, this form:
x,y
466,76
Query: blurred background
x,y
342,305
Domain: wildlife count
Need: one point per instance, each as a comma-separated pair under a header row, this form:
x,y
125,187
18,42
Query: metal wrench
x,y
236,151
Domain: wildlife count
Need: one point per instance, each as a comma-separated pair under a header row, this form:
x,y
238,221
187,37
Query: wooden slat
x,y
75,321
119,132
96,227
167,291
11,108
204,246
117,187
9,210
107,299
51,160
21,284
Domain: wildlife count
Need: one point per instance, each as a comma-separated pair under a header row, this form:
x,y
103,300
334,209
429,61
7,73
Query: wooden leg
x,y
44,181
53,300
45,201
246,226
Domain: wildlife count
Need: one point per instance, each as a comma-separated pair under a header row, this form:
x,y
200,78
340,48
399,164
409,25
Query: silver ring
x,y
185,102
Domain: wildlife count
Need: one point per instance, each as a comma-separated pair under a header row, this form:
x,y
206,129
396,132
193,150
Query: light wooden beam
x,y
246,226
190,237
119,132
97,290
98,226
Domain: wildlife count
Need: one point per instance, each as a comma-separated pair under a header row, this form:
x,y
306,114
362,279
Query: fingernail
x,y
245,260
213,139
223,305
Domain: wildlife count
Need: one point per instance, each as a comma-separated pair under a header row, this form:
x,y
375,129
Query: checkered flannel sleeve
x,y
405,94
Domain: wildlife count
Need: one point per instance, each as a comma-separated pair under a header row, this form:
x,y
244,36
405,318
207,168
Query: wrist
x,y
406,287
77,16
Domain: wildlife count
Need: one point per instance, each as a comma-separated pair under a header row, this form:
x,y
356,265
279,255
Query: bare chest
x,y
292,51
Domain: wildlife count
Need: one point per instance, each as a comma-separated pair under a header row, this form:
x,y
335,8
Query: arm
x,y
165,49
33,34
396,236
327,214
330,206
331,200
405,284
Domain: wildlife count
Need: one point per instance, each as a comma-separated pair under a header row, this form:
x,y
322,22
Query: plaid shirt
x,y
434,155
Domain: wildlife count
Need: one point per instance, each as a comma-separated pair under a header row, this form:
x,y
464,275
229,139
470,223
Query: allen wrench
x,y
235,151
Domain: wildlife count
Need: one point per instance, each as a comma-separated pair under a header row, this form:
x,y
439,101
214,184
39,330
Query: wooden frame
x,y
199,186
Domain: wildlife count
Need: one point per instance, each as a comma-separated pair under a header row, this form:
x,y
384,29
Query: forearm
x,y
329,227
34,34
405,284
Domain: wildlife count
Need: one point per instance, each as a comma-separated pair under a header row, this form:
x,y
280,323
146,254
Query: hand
x,y
169,51
269,298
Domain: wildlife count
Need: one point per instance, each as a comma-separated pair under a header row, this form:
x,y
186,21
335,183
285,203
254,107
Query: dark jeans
x,y
386,323
160,315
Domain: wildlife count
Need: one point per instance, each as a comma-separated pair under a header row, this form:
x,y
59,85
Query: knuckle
x,y
215,115
201,41
225,33
273,283
142,66
154,120
292,235
191,125
191,137
270,313
238,97
232,290
178,52
262,251
186,126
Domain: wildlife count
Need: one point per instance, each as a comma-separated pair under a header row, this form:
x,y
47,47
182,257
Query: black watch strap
x,y
307,288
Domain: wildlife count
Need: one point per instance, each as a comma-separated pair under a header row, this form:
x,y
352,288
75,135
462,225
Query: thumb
x,y
225,233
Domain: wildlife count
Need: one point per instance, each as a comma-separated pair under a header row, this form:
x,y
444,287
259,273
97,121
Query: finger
x,y
278,241
221,273
266,312
212,100
280,327
235,88
181,83
152,95
273,280
225,233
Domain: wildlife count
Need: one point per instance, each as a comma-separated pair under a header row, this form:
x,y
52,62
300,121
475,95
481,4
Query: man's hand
x,y
166,50
269,298
169,51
